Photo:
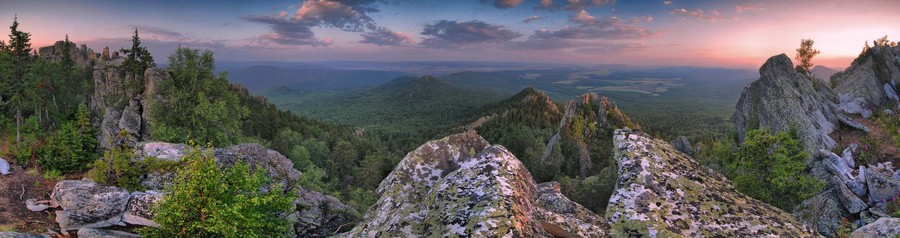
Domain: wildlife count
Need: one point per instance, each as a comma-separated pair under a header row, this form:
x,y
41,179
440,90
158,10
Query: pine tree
x,y
137,58
805,54
20,49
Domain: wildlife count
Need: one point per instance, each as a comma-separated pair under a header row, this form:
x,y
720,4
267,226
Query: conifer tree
x,y
137,58
20,49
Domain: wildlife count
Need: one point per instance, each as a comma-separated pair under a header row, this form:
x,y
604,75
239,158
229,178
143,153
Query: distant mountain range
x,y
823,72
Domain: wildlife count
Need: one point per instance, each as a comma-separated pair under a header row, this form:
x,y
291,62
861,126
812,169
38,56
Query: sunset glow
x,y
734,33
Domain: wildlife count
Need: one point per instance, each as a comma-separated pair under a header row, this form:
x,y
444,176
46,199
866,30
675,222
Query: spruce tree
x,y
137,58
20,49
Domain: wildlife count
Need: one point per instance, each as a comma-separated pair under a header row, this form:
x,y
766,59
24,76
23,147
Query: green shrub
x,y
116,168
207,201
72,147
772,168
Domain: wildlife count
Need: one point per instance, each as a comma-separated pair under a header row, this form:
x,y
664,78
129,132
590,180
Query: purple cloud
x,y
452,34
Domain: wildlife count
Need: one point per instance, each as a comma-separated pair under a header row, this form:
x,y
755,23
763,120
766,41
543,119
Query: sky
x,y
722,33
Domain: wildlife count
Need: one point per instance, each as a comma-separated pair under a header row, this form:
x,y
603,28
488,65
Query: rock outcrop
x,y
462,186
682,144
783,99
871,80
80,55
662,192
85,204
121,103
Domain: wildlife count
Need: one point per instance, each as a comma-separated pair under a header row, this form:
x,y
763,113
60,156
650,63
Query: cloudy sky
x,y
727,33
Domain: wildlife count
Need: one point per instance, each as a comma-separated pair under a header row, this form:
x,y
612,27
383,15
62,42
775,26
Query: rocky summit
x,y
662,192
783,99
462,186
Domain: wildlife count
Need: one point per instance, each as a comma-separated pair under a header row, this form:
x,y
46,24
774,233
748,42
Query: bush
x,y
206,201
117,169
772,168
72,147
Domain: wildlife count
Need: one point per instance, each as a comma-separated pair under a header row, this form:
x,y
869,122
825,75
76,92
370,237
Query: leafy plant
x,y
207,201
772,168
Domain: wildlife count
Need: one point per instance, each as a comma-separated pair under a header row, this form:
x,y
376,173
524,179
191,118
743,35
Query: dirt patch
x,y
17,187
877,146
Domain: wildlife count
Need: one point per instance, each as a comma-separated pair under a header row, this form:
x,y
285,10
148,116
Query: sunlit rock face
x,y
662,192
462,186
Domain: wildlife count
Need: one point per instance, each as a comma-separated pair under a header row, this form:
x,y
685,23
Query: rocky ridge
x,y
870,82
662,192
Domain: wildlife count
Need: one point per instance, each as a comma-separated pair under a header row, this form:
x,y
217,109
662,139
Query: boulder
x,y
161,150
884,227
859,189
457,186
853,105
95,233
140,208
783,99
890,93
158,180
851,202
4,167
85,204
664,193
318,215
847,155
279,169
881,187
562,217
836,164
822,212
682,144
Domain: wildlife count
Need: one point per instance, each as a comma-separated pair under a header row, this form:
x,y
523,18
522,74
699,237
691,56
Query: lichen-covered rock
x,y
95,233
161,150
318,215
158,180
140,208
783,99
461,186
881,187
664,193
562,217
822,212
279,169
884,227
85,204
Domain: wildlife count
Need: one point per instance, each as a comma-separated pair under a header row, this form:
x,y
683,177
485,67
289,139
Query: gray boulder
x,y
851,202
847,155
37,206
85,204
140,208
836,164
319,215
890,93
682,144
783,99
157,180
881,187
95,233
859,189
822,212
161,150
663,193
4,167
884,227
853,105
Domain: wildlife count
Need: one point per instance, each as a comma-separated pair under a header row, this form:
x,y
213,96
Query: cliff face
x,y
121,103
662,192
783,99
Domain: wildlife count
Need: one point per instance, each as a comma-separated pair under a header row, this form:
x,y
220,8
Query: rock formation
x,y
80,55
462,186
664,193
783,99
884,227
871,80
122,103
682,144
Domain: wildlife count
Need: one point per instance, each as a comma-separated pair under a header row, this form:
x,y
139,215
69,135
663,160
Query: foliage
x,y
845,229
206,201
137,58
199,105
592,192
772,168
884,42
892,206
118,167
805,54
72,147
